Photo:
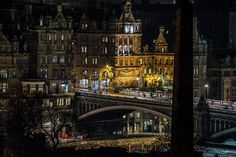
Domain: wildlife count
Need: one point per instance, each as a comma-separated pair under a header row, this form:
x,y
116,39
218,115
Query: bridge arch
x,y
223,133
121,107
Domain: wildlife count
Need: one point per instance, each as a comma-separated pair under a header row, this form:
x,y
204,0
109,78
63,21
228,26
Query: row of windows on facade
x,y
125,50
166,71
143,61
104,39
4,74
127,28
55,60
94,61
40,89
156,61
197,72
3,87
200,60
13,60
43,73
229,73
200,48
56,25
58,102
56,47
56,37
84,49
95,74
226,73
14,48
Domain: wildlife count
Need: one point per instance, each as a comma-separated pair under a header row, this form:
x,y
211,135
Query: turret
x,y
161,44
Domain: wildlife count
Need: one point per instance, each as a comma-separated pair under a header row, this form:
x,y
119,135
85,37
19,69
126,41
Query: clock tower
x,y
127,48
128,35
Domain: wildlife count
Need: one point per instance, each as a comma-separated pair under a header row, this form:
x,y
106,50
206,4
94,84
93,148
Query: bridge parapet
x,y
164,102
89,103
226,107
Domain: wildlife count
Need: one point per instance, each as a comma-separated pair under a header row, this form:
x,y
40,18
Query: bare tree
x,y
53,119
22,121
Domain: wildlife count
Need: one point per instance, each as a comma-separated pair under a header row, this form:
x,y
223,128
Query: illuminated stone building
x,y
128,48
152,68
141,121
108,54
221,75
12,63
200,57
94,54
51,54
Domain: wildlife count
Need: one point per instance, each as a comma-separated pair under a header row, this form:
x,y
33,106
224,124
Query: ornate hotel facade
x,y
111,56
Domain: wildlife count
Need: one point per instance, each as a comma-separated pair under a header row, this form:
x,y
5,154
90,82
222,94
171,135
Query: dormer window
x,y
162,50
84,49
126,29
41,22
104,39
3,74
84,26
129,28
49,37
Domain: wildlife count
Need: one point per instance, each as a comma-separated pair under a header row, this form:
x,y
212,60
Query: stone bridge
x,y
213,119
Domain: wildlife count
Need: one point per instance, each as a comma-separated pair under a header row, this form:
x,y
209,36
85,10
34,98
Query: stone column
x,y
203,118
182,113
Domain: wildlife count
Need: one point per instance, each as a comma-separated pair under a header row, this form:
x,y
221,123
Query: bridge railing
x,y
127,99
213,104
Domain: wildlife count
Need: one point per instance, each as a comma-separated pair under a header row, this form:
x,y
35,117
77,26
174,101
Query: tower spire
x,y
161,44
127,15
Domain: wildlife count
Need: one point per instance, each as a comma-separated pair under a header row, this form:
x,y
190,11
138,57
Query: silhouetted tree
x,y
53,120
23,121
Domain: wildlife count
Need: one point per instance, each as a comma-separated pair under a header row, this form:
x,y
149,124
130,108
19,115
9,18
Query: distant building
x,y
221,73
13,64
200,57
51,50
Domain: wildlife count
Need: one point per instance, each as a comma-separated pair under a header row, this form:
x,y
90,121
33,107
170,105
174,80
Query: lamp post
x,y
206,91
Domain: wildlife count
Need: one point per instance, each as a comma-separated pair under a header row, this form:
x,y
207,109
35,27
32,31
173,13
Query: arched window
x,y
95,75
105,74
85,74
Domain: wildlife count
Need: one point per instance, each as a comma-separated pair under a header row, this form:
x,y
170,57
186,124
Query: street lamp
x,y
206,90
